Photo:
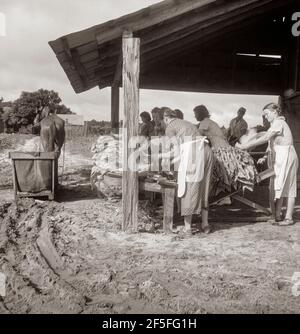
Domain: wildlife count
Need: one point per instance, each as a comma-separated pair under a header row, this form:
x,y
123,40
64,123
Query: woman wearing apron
x,y
286,161
194,172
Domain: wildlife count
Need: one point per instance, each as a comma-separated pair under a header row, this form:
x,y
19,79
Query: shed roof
x,y
168,30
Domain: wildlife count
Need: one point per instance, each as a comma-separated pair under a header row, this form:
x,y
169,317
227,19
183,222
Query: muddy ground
x,y
70,256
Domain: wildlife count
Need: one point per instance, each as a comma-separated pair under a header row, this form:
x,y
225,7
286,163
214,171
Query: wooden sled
x,y
50,157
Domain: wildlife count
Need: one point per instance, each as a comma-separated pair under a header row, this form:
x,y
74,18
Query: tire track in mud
x,y
40,279
71,257
32,285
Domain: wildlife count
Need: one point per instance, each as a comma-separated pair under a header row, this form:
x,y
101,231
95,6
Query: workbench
x,y
168,192
168,189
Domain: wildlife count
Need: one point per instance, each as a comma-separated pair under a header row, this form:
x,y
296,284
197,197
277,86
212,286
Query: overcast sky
x,y
27,63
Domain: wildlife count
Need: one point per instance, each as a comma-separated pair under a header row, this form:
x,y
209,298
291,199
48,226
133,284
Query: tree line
x,y
18,115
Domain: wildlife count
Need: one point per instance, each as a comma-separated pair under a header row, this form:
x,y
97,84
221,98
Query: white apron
x,y
190,171
283,162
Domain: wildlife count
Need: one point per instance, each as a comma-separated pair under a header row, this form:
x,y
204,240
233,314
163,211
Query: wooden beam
x,y
156,14
204,88
211,78
253,205
131,73
79,67
115,108
73,59
118,71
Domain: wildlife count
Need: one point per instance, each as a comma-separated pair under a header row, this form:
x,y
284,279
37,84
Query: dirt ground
x,y
70,256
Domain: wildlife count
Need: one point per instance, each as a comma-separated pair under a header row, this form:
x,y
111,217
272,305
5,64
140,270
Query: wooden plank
x,y
203,88
79,67
214,83
223,196
53,183
169,198
158,19
44,193
271,186
15,185
115,108
131,74
251,204
235,219
87,48
33,155
152,187
89,57
73,59
266,174
71,72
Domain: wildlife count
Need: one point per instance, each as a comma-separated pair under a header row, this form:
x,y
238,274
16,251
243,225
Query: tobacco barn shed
x,y
215,46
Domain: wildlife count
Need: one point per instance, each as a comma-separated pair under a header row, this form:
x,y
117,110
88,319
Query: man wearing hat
x,y
237,128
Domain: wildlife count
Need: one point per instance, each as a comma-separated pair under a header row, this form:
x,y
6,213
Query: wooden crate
x,y
52,157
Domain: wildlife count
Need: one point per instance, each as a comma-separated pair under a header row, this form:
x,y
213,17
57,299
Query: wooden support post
x,y
169,198
271,186
15,182
85,129
53,183
115,107
131,74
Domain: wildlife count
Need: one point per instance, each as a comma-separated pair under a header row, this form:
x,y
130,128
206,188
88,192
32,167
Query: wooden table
x,y
168,192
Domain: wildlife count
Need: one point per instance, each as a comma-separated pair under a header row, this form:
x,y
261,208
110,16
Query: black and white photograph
x,y
149,155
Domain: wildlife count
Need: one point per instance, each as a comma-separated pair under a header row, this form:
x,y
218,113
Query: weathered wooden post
x,y
131,74
85,129
115,106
